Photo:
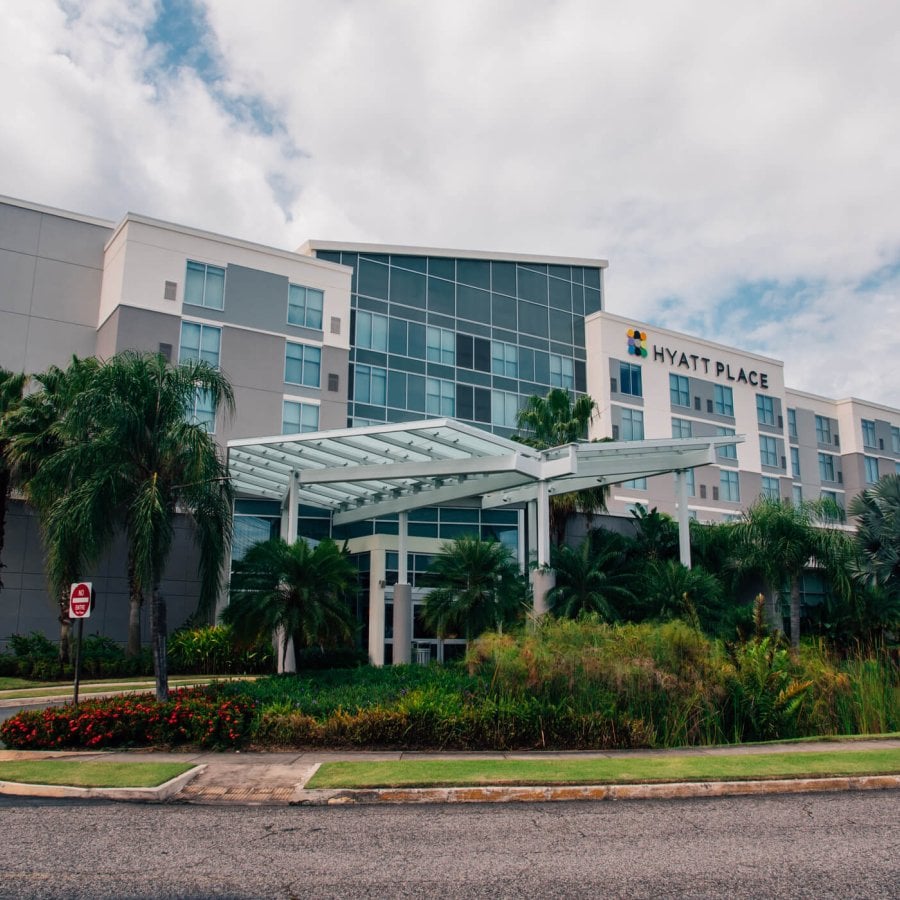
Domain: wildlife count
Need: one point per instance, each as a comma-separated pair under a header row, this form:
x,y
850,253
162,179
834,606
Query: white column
x,y
287,661
542,578
402,597
376,607
684,521
521,546
532,513
402,552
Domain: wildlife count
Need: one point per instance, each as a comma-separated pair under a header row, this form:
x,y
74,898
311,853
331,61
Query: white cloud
x,y
698,146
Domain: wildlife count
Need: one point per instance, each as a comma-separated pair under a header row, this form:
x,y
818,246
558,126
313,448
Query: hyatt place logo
x,y
637,341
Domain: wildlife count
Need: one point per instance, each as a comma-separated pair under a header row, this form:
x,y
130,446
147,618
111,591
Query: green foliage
x,y
878,538
476,585
212,650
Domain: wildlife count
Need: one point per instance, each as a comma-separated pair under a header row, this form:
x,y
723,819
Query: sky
x,y
738,164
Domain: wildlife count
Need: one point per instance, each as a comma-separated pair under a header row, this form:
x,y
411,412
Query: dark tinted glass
x,y
464,405
443,268
541,367
503,311
482,356
578,329
440,296
482,405
526,364
372,279
408,288
592,278
464,351
329,255
416,340
472,303
532,285
591,301
564,272
560,294
397,389
561,327
504,278
580,376
533,319
416,263
397,336
476,272
415,393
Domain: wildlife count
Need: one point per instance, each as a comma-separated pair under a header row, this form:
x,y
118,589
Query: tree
x,y
552,421
129,457
670,589
877,512
656,534
11,387
476,586
592,578
780,539
293,588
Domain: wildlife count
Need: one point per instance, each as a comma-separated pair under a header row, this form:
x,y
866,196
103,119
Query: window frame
x,y
303,406
195,265
723,400
306,349
679,386
307,308
632,375
768,450
765,410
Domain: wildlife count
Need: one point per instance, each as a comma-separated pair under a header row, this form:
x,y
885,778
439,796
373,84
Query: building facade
x,y
336,335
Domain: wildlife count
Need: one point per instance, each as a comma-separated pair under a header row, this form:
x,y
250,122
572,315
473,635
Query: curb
x,y
672,791
159,794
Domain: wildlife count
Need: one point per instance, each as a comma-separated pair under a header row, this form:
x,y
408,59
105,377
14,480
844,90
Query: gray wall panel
x,y
54,343
144,329
19,229
16,281
66,292
256,298
75,242
13,341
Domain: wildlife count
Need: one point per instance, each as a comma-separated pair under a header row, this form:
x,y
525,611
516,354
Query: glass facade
x,y
471,338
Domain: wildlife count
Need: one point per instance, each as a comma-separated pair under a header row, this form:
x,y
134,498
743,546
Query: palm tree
x,y
130,457
296,589
877,511
670,589
476,586
552,421
780,539
11,387
656,534
592,578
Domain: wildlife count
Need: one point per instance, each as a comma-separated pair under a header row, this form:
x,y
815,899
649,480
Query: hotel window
x,y
765,409
440,397
302,364
868,433
297,418
630,380
505,359
632,425
725,451
871,468
826,467
688,475
371,331
792,423
369,384
440,345
204,285
679,390
768,451
504,409
829,495
729,486
200,342
895,439
305,306
636,484
823,430
681,428
723,400
771,489
562,372
797,494
795,462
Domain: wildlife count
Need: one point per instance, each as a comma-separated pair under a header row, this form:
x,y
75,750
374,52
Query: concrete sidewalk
x,y
279,779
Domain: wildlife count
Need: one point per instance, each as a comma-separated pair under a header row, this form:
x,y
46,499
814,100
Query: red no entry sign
x,y
80,600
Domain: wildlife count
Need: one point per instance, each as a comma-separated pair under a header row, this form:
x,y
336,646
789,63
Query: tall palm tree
x,y
552,421
293,588
11,387
877,512
592,578
130,457
780,540
477,586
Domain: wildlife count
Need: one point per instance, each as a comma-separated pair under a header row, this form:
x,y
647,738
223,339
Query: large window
x,y
765,409
826,467
768,450
204,285
302,364
632,425
369,384
725,451
792,423
299,417
440,345
505,359
305,306
372,331
630,379
771,488
679,390
823,429
440,397
871,468
868,433
895,439
723,400
200,342
797,494
504,408
681,428
795,462
562,372
729,486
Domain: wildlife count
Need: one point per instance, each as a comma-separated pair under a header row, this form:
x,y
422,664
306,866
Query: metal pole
x,y
78,659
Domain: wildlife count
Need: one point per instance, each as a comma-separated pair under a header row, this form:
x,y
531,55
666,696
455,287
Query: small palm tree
x,y
11,387
293,588
477,586
592,578
670,589
877,510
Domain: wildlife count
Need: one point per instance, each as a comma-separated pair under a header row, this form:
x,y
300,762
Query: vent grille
x,y
335,325
170,292
165,350
334,382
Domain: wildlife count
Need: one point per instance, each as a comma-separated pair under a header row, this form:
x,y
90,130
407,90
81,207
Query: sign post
x,y
81,597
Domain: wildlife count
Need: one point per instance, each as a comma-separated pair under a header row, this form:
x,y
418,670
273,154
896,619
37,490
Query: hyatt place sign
x,y
693,362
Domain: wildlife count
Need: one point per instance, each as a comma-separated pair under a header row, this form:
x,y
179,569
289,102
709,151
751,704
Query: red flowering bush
x,y
201,716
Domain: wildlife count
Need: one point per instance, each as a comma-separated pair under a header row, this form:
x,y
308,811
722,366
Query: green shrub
x,y
212,650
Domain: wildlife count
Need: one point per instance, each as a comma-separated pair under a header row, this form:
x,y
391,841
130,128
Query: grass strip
x,y
26,689
618,770
75,773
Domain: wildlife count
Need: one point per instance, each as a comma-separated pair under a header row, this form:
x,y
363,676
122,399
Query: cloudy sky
x,y
736,163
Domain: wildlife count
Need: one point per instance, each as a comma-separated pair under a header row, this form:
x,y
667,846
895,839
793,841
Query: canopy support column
x,y
284,644
684,522
543,579
402,598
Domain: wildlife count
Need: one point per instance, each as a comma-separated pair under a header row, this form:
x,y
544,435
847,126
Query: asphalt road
x,y
838,845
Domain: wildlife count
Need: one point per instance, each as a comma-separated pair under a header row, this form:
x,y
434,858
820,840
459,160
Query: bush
x,y
211,650
203,717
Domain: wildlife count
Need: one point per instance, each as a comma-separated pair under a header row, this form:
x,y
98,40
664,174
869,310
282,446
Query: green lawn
x,y
619,770
25,688
90,774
